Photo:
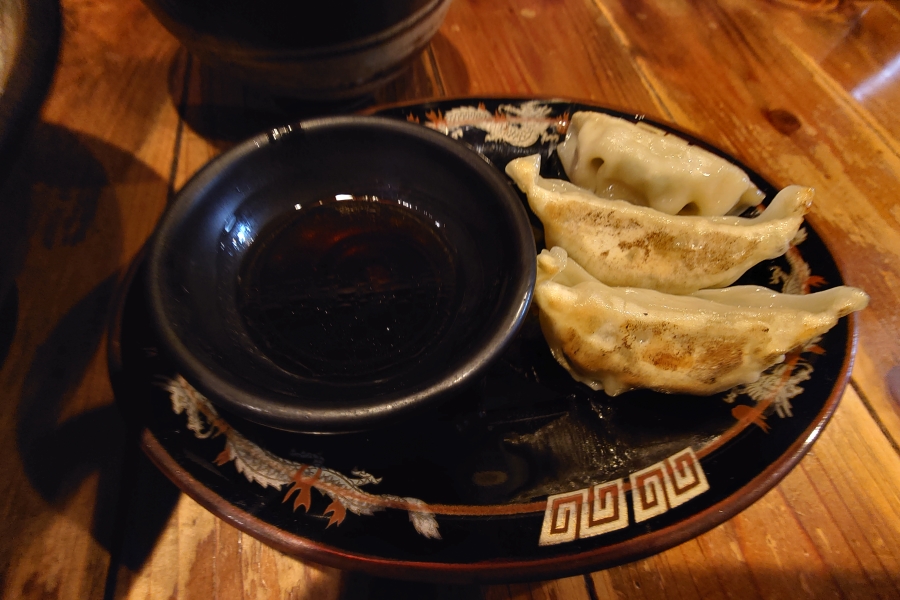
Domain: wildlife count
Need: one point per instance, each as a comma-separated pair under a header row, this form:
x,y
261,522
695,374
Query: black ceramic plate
x,y
529,476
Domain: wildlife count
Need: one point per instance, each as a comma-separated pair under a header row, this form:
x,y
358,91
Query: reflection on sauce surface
x,y
349,289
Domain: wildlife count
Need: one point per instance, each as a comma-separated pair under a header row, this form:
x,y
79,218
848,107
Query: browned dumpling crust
x,y
618,339
626,245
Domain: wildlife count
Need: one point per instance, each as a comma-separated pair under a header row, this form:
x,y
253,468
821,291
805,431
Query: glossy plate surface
x,y
532,475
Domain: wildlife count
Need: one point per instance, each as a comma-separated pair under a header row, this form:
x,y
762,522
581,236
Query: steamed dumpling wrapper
x,y
626,245
621,160
617,339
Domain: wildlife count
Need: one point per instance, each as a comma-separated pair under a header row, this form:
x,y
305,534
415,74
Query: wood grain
x,y
570,588
199,556
854,43
803,91
94,172
518,50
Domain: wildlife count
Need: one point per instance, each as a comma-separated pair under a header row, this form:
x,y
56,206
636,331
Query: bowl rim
x,y
281,411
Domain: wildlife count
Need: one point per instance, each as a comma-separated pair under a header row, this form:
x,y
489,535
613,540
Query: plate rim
x,y
561,564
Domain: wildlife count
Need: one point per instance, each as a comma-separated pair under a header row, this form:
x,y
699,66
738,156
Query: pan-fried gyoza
x,y
617,339
622,160
626,245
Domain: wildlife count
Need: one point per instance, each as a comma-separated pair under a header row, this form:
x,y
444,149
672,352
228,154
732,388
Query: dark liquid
x,y
349,290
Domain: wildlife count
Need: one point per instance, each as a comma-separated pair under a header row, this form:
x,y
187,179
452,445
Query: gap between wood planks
x,y
874,414
639,69
438,81
130,461
179,129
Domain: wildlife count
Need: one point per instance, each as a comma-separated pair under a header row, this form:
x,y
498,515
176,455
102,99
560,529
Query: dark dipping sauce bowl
x,y
340,274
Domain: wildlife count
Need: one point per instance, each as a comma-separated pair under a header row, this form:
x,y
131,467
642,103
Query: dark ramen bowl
x,y
326,51
339,274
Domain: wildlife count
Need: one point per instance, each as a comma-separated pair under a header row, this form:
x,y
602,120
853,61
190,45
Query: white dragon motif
x,y
781,383
266,469
521,125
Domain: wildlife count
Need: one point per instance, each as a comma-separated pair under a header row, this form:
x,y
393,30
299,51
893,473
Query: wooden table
x,y
805,91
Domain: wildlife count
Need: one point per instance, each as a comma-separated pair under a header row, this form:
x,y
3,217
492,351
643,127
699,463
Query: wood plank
x,y
194,554
655,578
420,81
847,519
857,43
514,48
721,547
96,171
569,588
879,384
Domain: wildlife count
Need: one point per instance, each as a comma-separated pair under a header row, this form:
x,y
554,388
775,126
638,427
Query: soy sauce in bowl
x,y
350,288
340,274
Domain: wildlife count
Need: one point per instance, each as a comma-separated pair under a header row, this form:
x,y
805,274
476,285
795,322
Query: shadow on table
x,y
63,435
358,586
651,578
9,318
224,110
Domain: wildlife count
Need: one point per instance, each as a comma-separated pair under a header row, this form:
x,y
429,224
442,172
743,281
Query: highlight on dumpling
x,y
618,339
626,245
622,160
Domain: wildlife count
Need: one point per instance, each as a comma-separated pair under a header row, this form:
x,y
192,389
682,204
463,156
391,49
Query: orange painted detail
x,y
303,486
223,457
338,512
742,412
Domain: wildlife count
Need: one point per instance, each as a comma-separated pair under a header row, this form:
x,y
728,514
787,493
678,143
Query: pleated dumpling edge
x,y
635,246
618,339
